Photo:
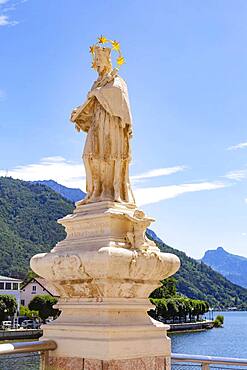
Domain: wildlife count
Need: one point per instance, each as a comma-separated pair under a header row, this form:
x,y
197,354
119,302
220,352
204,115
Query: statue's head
x,y
102,59
101,55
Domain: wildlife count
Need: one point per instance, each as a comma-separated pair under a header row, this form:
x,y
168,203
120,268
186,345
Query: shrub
x,y
44,305
219,321
24,311
8,306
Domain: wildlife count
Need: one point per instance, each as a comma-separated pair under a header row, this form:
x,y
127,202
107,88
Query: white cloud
x,y
159,172
70,174
151,195
56,168
7,6
236,175
5,21
73,175
238,146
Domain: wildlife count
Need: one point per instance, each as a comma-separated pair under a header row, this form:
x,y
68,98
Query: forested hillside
x,y
28,214
71,194
197,280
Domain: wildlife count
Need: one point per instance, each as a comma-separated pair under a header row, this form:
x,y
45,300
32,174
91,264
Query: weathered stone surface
x,y
106,118
68,363
107,264
105,268
144,363
90,364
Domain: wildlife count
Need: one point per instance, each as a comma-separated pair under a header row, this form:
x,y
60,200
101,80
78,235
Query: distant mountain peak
x,y
72,194
232,266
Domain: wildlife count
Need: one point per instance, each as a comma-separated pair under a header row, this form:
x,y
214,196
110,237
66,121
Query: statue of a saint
x,y
106,118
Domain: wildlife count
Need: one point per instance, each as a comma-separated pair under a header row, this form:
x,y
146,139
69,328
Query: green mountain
x,y
68,193
199,281
28,214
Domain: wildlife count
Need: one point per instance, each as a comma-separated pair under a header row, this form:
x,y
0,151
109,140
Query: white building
x,y
11,286
36,286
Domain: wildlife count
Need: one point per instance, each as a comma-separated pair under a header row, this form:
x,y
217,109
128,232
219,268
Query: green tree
x,y
44,305
167,290
28,215
199,308
219,321
8,306
24,311
178,308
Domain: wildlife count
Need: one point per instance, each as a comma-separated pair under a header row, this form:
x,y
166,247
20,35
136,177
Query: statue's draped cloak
x,y
115,100
110,122
107,119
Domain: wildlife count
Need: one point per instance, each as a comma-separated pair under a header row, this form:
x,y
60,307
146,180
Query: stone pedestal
x,y
104,271
145,363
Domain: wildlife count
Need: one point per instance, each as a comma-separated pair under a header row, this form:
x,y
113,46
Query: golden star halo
x,y
114,45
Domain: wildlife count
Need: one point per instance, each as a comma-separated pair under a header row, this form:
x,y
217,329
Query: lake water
x,y
229,341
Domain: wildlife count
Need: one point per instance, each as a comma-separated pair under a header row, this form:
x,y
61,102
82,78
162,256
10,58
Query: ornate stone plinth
x,y
104,271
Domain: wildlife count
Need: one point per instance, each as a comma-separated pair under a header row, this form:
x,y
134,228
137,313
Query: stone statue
x,y
105,268
106,118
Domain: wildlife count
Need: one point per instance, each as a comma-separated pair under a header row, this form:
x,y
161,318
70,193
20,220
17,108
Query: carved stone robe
x,y
107,120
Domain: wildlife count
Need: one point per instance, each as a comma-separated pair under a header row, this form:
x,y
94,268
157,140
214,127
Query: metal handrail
x,y
27,347
50,345
207,360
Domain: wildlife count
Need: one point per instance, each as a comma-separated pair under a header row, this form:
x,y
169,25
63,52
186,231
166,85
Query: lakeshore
x,y
191,326
228,341
27,334
18,334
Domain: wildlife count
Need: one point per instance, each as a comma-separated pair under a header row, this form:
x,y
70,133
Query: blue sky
x,y
187,77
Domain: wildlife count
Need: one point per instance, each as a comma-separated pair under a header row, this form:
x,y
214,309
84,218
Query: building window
x,y
34,289
15,286
23,302
8,286
1,285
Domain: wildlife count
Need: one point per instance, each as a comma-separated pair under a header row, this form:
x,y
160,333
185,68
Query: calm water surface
x,y
230,341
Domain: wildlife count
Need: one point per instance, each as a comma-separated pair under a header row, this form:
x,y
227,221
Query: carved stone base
x,y
107,329
105,254
104,270
144,363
